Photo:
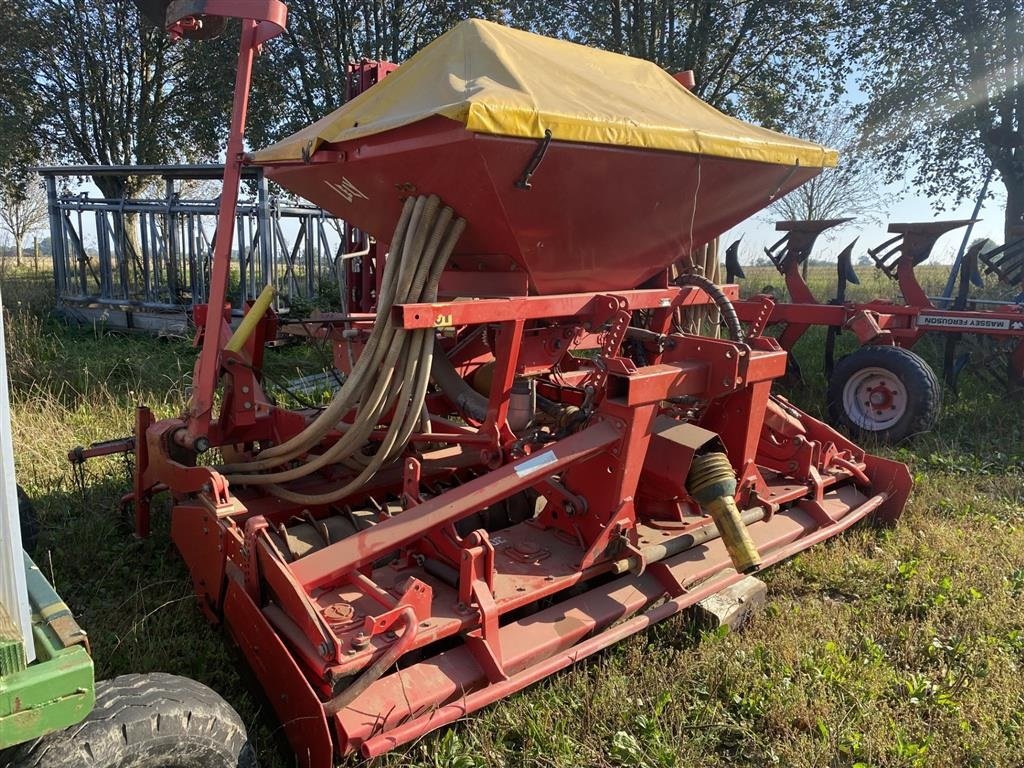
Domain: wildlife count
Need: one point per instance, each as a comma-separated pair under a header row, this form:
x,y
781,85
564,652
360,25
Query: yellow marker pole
x,y
252,317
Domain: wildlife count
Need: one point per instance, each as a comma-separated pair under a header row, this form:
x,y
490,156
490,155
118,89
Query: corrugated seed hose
x,y
725,306
390,376
395,368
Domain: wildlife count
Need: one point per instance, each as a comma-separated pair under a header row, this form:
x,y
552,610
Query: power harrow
x,y
527,460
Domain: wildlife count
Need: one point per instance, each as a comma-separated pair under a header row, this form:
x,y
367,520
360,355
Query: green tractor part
x,y
57,689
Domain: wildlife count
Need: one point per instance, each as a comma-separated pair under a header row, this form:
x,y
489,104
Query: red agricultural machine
x,y
883,389
527,460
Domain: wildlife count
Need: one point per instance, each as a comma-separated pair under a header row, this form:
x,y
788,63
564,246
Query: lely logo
x,y
346,189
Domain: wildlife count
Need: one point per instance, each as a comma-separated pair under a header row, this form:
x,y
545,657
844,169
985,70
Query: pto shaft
x,y
712,483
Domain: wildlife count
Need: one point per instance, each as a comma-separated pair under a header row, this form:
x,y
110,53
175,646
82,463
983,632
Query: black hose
x,y
732,320
455,388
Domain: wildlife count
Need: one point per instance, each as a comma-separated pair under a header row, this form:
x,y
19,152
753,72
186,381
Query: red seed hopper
x,y
586,170
528,459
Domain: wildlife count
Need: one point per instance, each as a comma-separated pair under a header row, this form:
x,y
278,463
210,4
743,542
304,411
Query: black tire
x,y
913,406
29,522
146,721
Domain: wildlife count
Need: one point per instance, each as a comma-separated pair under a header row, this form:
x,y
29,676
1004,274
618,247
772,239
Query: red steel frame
x,y
612,540
626,470
885,322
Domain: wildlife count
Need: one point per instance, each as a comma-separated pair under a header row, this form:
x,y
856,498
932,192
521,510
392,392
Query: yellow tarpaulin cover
x,y
507,82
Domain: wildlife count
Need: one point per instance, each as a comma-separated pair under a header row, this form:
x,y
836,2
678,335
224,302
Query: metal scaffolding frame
x,y
153,279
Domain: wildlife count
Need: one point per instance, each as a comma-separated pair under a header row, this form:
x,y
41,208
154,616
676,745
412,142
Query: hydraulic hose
x,y
455,388
725,306
375,670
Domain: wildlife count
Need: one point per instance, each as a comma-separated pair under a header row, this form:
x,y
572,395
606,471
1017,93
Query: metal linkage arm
x,y
201,19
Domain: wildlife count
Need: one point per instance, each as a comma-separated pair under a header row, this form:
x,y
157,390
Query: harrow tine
x,y
976,279
919,238
1006,262
949,367
830,350
845,274
845,266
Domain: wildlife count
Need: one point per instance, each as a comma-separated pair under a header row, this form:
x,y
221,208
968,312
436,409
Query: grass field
x,y
895,647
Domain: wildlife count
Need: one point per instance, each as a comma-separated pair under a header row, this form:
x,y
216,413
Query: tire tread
x,y
138,714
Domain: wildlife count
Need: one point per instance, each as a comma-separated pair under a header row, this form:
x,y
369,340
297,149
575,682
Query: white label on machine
x,y
536,463
965,323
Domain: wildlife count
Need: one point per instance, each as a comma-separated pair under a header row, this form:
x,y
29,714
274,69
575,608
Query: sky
x,y
907,205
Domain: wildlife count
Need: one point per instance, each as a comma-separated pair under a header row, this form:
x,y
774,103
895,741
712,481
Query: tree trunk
x,y
1014,217
616,18
17,251
131,248
125,226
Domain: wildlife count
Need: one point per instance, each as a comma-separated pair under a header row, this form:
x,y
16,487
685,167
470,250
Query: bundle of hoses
x,y
390,377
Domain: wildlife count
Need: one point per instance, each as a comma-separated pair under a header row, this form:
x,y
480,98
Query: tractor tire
x,y
889,394
29,522
145,721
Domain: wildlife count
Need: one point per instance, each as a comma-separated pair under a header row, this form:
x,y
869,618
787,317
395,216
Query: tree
x,y
107,81
19,107
23,212
109,84
749,57
322,38
945,87
853,188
